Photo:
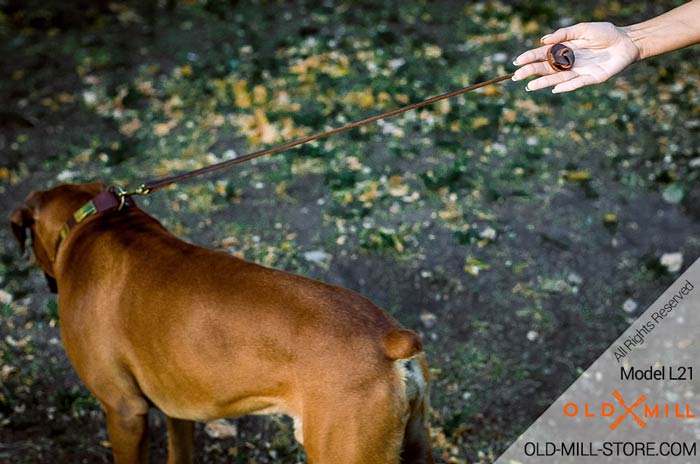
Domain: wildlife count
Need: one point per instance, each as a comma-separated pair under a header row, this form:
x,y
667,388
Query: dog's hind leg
x,y
354,427
127,424
180,438
416,442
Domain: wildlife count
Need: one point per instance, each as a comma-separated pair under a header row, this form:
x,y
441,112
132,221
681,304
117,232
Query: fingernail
x,y
555,90
515,62
527,88
514,78
545,37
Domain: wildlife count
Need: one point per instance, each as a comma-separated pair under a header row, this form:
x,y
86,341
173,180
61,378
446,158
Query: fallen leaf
x,y
130,127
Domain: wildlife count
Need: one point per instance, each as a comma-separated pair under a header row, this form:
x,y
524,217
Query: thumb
x,y
565,34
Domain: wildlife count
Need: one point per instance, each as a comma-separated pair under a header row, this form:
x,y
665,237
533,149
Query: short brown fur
x,y
147,318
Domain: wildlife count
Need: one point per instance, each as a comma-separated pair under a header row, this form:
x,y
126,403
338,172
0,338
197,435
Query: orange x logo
x,y
628,410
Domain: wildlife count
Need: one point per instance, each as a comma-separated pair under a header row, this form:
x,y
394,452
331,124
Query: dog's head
x,y
41,217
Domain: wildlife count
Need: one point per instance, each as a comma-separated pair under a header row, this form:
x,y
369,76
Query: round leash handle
x,y
560,57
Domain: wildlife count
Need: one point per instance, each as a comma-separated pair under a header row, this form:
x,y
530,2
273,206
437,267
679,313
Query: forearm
x,y
670,31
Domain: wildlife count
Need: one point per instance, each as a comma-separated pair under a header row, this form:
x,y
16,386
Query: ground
x,y
519,233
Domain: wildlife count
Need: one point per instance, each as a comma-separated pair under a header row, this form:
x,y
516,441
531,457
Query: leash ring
x,y
121,194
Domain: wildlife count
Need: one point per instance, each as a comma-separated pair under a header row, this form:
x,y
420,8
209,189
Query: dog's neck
x,y
105,201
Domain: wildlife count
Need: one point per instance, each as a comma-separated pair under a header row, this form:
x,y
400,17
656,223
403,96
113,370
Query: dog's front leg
x,y
127,424
180,438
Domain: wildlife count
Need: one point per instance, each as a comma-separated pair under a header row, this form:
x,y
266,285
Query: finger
x,y
548,81
575,83
565,33
531,56
540,68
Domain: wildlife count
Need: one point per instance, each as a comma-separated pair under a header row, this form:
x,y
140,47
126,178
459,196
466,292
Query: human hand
x,y
601,50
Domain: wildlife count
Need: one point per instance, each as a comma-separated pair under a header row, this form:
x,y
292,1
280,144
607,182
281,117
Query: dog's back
x,y
149,318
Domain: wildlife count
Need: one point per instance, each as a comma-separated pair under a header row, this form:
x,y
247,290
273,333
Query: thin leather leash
x,y
560,57
152,186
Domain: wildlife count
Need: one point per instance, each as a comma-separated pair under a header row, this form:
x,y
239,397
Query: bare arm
x,y
603,49
670,31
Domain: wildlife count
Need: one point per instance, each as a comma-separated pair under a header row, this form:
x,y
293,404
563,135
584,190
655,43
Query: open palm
x,y
601,50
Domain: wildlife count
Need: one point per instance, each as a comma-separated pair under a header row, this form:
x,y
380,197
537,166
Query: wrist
x,y
639,37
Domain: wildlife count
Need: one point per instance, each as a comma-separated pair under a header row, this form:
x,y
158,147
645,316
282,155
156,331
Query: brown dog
x,y
147,319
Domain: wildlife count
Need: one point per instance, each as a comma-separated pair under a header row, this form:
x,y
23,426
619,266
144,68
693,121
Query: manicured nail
x,y
545,37
514,78
527,88
554,90
515,62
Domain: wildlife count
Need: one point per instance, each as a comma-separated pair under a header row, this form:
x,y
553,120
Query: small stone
x,y
532,335
7,371
319,257
574,279
220,428
629,306
66,175
229,155
672,261
500,57
428,319
488,233
5,298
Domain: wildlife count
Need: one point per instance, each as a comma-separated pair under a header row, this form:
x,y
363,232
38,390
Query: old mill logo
x,y
639,411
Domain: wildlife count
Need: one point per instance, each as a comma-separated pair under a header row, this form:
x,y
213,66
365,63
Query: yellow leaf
x,y
65,98
578,176
130,127
509,115
383,97
396,188
353,163
163,128
371,193
241,93
259,95
398,244
531,27
492,91
186,70
367,100
267,132
610,218
443,107
401,98
281,189
432,51
480,122
451,213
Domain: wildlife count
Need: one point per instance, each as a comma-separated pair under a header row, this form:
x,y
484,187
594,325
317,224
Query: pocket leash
x,y
559,57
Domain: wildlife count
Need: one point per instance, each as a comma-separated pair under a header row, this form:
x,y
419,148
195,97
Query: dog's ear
x,y
20,221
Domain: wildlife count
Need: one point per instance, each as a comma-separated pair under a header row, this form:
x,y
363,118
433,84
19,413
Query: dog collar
x,y
112,199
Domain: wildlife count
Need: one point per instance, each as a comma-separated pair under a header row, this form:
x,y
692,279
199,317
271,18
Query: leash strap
x,y
153,185
559,56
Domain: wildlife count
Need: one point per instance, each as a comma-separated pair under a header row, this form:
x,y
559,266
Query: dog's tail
x,y
402,344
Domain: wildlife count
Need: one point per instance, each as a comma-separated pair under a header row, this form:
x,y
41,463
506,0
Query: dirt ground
x,y
518,233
